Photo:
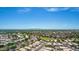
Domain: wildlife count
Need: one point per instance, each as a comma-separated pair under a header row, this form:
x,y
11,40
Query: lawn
x,y
47,39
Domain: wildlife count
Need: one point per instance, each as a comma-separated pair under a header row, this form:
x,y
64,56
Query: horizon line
x,y
38,29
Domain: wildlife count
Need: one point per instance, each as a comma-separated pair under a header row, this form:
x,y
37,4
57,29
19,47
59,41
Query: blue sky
x,y
39,18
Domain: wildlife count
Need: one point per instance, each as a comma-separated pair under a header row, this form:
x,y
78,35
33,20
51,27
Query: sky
x,y
39,18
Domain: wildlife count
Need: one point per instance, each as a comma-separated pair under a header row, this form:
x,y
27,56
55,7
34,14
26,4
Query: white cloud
x,y
49,9
56,9
52,9
23,10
